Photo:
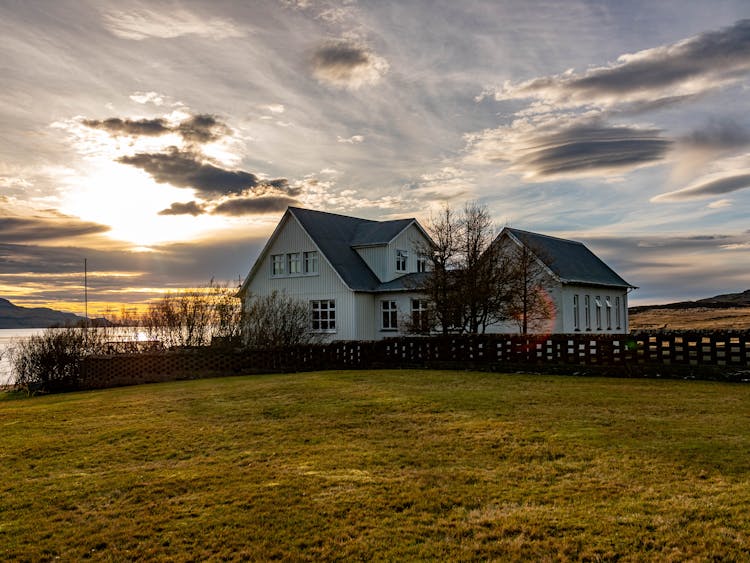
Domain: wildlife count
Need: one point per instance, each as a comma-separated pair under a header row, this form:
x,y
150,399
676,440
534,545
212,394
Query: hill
x,y
729,311
13,316
724,301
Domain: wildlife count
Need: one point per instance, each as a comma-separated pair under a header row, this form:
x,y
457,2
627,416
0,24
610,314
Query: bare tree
x,y
527,301
277,320
192,317
468,281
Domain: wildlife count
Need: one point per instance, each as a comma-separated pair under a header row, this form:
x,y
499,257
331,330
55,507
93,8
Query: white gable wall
x,y
410,239
325,285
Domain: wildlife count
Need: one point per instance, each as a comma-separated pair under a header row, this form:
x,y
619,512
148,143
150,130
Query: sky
x,y
162,141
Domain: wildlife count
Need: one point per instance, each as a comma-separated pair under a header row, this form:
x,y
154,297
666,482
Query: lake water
x,y
9,336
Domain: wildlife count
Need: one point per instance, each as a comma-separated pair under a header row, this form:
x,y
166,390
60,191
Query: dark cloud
x,y
29,229
187,169
190,208
708,188
594,147
130,127
201,128
719,134
689,67
347,64
254,205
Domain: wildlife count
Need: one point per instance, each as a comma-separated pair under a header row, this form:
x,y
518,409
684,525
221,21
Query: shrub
x,y
277,320
51,362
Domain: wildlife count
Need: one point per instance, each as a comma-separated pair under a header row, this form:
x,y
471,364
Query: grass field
x,y
735,318
387,465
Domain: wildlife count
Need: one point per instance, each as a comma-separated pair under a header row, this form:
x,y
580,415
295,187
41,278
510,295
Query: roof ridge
x,y
543,235
293,208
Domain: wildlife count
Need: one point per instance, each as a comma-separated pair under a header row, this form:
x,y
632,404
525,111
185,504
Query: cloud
x,y
254,205
274,108
59,227
708,188
346,64
147,98
541,150
354,139
693,66
130,127
174,22
189,169
718,134
719,203
190,208
200,128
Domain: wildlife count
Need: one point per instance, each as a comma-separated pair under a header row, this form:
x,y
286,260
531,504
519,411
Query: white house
x,y
586,295
359,276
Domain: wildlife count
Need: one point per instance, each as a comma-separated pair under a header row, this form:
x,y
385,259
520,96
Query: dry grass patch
x,y
386,465
736,318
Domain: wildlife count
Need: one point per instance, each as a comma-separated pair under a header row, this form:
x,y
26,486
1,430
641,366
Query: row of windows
x,y
419,315
294,264
323,315
598,306
402,262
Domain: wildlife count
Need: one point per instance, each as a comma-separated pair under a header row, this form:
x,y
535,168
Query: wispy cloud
x,y
354,139
146,23
200,128
189,208
560,147
254,205
347,64
56,227
708,187
693,66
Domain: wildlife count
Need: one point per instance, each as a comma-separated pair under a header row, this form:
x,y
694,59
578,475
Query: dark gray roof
x,y
404,283
569,260
378,232
335,235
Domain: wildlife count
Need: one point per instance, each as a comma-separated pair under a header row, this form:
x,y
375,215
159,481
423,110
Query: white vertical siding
x,y
376,258
325,285
593,292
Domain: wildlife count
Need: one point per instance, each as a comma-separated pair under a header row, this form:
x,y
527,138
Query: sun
x,y
129,201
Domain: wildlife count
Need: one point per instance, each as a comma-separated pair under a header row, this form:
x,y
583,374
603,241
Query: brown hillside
x,y
697,318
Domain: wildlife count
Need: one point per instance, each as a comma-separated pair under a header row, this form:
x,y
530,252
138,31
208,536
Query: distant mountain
x,y
13,316
725,301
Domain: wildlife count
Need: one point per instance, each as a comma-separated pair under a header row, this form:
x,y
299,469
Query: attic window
x,y
311,262
401,258
421,264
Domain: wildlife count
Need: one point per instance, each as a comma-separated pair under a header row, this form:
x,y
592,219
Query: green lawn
x,y
385,465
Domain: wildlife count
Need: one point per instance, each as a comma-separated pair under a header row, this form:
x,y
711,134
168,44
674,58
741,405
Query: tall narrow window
x,y
294,263
587,310
311,262
389,315
608,304
419,316
401,259
277,265
598,302
421,264
323,315
576,313
617,311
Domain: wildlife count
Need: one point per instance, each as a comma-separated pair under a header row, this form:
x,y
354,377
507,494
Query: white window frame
x,y
598,303
421,264
617,312
323,315
608,304
294,263
419,315
388,315
310,261
587,310
402,260
576,313
278,265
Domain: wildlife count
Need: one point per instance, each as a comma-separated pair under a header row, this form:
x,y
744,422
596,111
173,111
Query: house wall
x,y
325,285
382,259
594,292
403,303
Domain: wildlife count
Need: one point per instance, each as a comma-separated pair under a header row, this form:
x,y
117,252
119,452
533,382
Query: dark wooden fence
x,y
704,355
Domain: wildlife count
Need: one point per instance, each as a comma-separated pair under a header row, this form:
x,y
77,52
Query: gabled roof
x,y
336,236
569,260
